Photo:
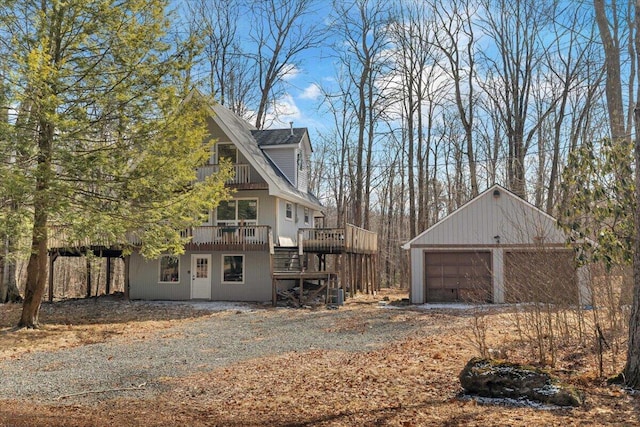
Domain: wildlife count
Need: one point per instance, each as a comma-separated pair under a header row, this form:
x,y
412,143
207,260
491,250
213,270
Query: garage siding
x,y
458,276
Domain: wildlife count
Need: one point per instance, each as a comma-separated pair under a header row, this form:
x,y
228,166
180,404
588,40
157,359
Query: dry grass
x,y
411,382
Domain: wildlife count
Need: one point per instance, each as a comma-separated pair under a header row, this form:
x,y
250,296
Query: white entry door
x,y
201,276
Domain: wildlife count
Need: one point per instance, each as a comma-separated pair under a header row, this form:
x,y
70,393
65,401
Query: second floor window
x,y
237,212
288,210
227,151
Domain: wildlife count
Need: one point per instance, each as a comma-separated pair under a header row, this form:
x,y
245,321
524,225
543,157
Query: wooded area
x,y
426,105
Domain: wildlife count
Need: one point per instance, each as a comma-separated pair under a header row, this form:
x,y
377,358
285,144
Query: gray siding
x,y
256,287
289,228
285,159
479,221
144,275
266,205
303,172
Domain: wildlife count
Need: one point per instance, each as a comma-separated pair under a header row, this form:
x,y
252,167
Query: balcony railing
x,y
242,237
254,237
335,240
350,239
242,173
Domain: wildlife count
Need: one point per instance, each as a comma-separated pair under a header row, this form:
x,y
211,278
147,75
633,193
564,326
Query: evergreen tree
x,y
108,148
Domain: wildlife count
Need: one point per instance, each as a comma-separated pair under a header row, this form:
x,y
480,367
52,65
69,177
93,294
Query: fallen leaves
x,y
411,381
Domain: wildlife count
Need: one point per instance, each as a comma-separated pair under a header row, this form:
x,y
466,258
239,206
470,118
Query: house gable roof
x,y
496,215
240,133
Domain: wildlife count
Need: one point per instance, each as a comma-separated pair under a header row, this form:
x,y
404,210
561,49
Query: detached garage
x,y
496,248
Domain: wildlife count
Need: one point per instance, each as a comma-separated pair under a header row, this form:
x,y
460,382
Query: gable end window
x,y
169,269
288,211
227,151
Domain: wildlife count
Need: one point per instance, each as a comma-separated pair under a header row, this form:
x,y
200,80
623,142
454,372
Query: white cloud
x,y
311,92
283,111
290,72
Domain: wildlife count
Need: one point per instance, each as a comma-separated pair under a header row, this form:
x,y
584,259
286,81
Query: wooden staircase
x,y
286,259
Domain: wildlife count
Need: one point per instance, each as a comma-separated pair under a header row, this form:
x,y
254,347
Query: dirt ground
x,y
408,382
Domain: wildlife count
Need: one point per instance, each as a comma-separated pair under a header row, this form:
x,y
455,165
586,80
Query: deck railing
x,y
243,237
348,239
246,237
230,235
242,173
61,237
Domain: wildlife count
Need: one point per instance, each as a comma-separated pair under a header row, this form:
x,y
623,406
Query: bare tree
x,y
610,36
280,35
455,39
229,76
515,29
610,28
362,26
568,62
338,147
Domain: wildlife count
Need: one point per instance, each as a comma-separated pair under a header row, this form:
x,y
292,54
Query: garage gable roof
x,y
495,216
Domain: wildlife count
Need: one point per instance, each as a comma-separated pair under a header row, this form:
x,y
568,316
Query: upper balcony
x,y
203,238
242,177
350,239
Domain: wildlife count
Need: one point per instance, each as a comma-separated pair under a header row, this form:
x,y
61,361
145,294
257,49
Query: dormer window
x,y
300,161
227,151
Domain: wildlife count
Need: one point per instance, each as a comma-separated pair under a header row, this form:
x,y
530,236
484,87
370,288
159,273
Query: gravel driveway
x,y
82,374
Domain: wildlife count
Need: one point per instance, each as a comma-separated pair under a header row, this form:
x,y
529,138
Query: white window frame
x,y
236,222
244,270
172,282
307,215
288,213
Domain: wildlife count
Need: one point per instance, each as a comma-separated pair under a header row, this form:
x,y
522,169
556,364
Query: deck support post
x,y
52,259
127,262
108,284
88,258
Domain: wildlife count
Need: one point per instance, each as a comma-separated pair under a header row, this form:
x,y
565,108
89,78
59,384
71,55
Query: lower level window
x,y
169,269
233,269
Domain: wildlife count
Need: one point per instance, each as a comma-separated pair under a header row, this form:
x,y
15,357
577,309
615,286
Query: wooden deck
x,y
355,250
203,238
350,239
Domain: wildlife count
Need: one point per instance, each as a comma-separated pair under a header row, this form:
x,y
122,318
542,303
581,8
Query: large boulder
x,y
499,379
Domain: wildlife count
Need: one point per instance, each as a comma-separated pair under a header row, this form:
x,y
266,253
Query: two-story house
x,y
264,238
229,257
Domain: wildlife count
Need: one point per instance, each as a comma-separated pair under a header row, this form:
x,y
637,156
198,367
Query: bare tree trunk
x,y
613,86
632,367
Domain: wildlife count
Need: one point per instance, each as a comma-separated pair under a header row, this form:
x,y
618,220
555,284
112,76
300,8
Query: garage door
x,y
458,276
547,276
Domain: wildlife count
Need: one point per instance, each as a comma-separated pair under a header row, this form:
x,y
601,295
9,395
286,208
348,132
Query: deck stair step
x,y
286,259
